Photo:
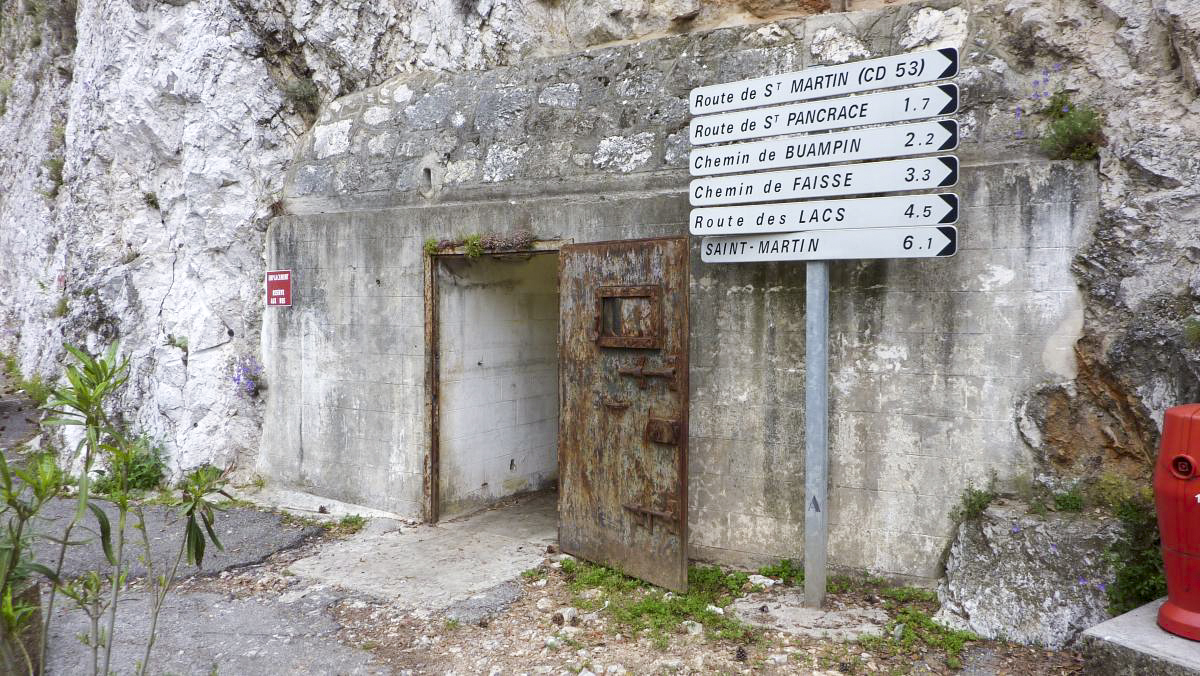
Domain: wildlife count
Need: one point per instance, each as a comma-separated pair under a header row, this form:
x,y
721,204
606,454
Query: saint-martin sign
x,y
870,212
844,146
821,82
809,245
903,105
915,173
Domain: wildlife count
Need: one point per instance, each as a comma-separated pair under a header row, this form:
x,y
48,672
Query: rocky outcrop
x,y
1032,579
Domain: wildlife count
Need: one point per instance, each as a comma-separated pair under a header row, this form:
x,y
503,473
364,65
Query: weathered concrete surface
x,y
1133,644
248,535
1033,579
930,360
431,568
787,613
206,633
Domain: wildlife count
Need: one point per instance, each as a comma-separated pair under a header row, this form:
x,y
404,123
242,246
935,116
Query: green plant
x,y
909,594
1111,490
473,246
302,93
36,389
452,624
144,468
1191,331
81,402
533,574
786,570
150,200
974,501
1074,133
1135,555
60,309
6,85
54,171
180,342
351,523
431,246
637,606
1069,501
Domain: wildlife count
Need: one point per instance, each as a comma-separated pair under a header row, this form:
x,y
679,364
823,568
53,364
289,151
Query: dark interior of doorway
x,y
492,327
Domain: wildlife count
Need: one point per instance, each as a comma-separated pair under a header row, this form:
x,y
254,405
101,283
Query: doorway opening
x,y
493,327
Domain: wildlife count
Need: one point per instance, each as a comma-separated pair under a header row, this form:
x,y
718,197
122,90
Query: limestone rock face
x,y
1025,578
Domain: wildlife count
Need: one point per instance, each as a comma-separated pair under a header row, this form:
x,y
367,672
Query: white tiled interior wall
x,y
498,334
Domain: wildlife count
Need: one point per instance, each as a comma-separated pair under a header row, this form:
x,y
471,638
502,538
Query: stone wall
x,y
929,359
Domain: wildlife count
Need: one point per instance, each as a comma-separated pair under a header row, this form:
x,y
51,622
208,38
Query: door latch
x,y
645,516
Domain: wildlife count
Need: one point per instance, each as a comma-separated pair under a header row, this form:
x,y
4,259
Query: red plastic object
x,y
1177,499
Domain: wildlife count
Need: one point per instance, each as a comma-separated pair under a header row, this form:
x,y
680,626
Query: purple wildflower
x,y
1053,547
1102,586
1016,529
1037,95
1020,133
1019,112
1057,67
247,374
1083,580
1066,109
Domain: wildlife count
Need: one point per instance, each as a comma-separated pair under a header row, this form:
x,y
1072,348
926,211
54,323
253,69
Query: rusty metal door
x,y
623,427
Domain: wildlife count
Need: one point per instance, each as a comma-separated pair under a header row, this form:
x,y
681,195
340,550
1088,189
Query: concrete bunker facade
x,y
389,352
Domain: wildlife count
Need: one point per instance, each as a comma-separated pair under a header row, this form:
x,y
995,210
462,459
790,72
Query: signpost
x,y
861,144
920,173
279,287
927,241
869,212
823,81
904,105
745,219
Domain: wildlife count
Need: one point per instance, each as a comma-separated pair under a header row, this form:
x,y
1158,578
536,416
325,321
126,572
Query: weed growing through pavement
x,y
640,607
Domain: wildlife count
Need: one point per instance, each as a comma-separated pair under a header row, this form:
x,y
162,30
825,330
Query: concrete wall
x,y
929,359
498,367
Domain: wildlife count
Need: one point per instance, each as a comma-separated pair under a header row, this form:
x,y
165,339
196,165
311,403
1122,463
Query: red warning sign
x,y
279,287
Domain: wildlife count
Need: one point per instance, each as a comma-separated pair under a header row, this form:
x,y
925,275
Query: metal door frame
x,y
430,507
683,374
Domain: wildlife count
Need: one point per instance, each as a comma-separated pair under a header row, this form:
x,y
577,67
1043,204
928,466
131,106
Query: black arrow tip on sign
x,y
951,106
950,53
815,505
951,234
951,201
951,163
952,127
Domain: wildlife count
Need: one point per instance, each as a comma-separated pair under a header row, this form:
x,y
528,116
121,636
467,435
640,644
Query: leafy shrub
x,y
786,570
145,466
1075,132
1069,501
1135,556
473,246
302,93
974,501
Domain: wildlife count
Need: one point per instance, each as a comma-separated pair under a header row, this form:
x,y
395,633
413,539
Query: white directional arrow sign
x,y
870,212
914,173
843,146
900,105
824,81
820,245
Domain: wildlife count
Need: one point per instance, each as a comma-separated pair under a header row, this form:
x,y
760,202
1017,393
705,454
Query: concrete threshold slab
x,y
429,568
1133,643
308,505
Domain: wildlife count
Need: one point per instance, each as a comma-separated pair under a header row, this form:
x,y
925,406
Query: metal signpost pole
x,y
816,429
